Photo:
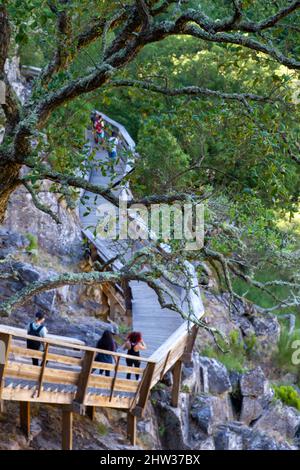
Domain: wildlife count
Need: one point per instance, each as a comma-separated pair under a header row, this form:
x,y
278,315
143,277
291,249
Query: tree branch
x,y
144,13
271,21
39,205
11,105
54,282
189,91
243,41
4,38
235,22
64,42
107,25
105,191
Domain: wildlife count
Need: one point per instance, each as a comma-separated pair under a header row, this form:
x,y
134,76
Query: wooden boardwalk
x,y
156,323
66,375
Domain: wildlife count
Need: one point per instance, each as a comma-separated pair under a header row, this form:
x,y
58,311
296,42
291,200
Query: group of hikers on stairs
x,y
100,135
134,344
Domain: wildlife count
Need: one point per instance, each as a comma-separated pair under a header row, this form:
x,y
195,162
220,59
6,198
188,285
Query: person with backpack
x,y
106,343
38,329
134,344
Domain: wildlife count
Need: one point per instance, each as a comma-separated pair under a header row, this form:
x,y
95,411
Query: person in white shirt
x,y
113,144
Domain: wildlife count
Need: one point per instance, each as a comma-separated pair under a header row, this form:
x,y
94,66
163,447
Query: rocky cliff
x,y
221,407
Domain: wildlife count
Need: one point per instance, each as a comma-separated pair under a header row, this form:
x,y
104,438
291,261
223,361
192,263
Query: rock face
x,y
226,439
209,411
148,429
173,422
211,419
254,384
191,379
11,242
256,395
264,326
280,422
63,241
251,410
235,436
214,376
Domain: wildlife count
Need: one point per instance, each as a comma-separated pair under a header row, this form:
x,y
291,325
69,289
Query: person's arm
x,y
126,345
43,332
141,346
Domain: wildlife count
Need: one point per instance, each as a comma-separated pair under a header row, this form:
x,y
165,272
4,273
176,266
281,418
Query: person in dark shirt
x,y
38,329
106,343
134,344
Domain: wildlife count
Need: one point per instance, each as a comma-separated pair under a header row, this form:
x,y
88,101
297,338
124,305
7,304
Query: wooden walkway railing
x,y
68,375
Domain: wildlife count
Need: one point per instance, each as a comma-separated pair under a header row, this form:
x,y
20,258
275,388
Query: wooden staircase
x,y
69,377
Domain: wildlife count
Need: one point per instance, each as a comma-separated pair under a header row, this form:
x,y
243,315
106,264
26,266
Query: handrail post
x,y
44,363
67,428
165,365
176,383
25,417
83,382
5,341
187,355
144,390
131,428
115,378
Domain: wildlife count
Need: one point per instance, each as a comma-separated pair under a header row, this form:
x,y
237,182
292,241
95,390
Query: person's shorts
x,y
113,154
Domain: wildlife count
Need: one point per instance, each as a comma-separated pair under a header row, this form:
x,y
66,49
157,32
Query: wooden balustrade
x,y
68,375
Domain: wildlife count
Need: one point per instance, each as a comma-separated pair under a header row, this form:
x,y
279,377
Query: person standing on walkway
x,y
113,145
134,344
99,129
106,343
38,329
93,118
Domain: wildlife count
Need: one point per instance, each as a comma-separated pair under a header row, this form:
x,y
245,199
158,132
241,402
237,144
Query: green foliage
x,y
283,355
102,429
162,430
185,389
123,329
32,247
67,150
242,154
161,161
237,352
288,395
159,386
250,342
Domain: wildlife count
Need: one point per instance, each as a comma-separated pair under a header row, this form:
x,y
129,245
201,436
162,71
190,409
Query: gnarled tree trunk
x,y
9,180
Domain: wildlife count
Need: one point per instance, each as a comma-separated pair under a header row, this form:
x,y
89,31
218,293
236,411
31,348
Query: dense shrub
x,y
288,395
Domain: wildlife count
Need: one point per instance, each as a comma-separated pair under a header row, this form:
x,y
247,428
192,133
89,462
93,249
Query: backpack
x,y
31,344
